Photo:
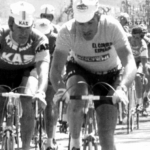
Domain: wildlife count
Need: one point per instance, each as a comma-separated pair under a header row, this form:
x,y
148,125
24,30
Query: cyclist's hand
x,y
147,68
40,96
61,94
120,96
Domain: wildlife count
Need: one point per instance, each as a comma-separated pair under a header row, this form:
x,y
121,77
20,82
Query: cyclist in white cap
x,y
23,49
100,52
45,26
48,11
124,19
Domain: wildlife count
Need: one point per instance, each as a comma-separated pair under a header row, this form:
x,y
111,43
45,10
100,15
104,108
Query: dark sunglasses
x,y
48,16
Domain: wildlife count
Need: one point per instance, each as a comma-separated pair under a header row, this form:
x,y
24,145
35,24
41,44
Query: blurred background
x,y
139,10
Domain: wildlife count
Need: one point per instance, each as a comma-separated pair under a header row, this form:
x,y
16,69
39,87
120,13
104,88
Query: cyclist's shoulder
x,y
68,26
37,36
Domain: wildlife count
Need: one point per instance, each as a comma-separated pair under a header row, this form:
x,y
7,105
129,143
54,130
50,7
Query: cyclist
x,y
124,19
22,50
146,37
48,11
140,52
99,49
45,26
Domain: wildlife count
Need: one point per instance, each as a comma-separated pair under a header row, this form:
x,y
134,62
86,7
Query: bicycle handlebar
x,y
15,95
90,97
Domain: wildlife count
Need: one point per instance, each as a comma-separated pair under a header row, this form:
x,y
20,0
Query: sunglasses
x,y
136,36
47,16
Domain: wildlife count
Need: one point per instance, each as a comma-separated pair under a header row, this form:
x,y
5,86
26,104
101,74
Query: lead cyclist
x,y
100,52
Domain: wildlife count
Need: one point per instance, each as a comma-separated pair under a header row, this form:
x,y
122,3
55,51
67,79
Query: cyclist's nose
x,y
85,28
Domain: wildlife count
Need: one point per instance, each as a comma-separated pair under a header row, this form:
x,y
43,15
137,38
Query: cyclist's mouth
x,y
87,35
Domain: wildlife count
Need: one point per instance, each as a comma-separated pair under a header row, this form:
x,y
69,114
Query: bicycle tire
x,y
41,127
131,105
8,142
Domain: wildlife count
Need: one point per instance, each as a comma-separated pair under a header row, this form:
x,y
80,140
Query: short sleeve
x,y
119,36
63,41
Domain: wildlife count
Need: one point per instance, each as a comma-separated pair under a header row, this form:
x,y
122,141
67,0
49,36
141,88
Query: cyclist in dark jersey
x,y
22,49
48,11
45,26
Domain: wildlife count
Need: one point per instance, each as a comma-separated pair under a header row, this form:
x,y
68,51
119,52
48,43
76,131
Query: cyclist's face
x,y
47,16
123,21
89,29
21,34
136,36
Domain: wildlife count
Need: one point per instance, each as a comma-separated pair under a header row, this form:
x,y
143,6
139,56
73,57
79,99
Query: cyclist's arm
x,y
128,62
42,71
63,45
144,57
57,66
125,54
42,60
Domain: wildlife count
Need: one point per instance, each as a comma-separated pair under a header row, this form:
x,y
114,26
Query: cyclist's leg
x,y
52,113
2,107
75,109
27,119
106,119
139,85
146,90
106,112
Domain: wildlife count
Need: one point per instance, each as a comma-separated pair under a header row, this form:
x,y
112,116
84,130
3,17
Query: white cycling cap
x,y
22,12
84,10
47,9
43,25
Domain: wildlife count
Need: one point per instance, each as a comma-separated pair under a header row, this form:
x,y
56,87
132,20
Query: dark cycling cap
x,y
137,30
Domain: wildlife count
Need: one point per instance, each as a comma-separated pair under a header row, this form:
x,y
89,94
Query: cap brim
x,y
83,17
44,30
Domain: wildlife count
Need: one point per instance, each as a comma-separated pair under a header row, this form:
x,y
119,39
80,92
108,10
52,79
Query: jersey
x,y
14,56
139,49
98,54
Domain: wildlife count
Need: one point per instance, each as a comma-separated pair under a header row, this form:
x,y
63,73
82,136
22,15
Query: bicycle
x,y
90,132
11,130
134,109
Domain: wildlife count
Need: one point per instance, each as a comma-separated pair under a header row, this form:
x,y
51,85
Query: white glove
x,y
61,94
120,96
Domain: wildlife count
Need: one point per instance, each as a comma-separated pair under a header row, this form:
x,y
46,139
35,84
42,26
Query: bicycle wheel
x,y
131,109
8,142
41,128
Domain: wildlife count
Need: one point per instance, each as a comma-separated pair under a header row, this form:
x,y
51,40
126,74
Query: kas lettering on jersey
x,y
15,58
98,48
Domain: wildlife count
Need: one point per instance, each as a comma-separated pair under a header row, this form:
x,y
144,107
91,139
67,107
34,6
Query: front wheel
x,y
8,142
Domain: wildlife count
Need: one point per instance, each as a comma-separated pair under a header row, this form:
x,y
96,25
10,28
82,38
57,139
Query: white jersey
x,y
96,55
